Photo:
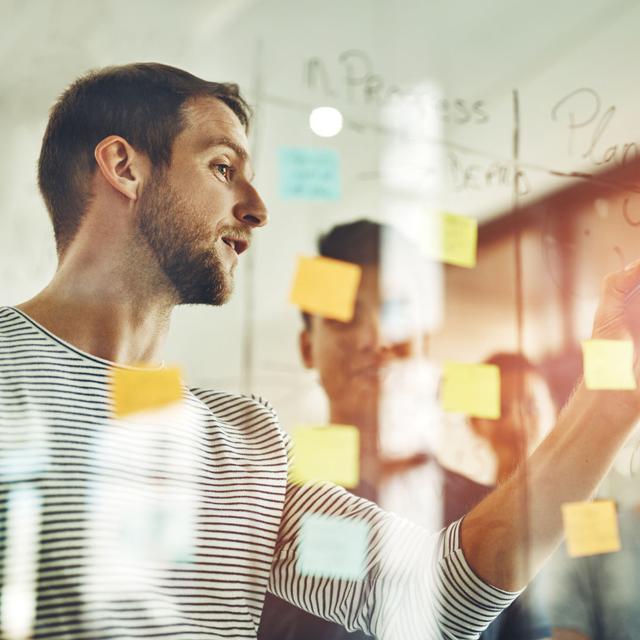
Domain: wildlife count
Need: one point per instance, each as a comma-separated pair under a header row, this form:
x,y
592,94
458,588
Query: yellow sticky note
x,y
332,546
608,364
136,390
472,389
453,239
329,453
590,528
326,287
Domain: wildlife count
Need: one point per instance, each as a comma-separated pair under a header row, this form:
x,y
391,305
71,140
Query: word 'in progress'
x,y
135,390
357,81
472,389
326,287
608,364
590,528
332,547
452,239
330,453
309,174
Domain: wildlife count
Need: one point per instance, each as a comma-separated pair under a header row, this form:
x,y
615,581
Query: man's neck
x,y
120,333
111,301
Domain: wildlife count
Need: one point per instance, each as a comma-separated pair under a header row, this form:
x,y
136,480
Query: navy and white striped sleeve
x,y
416,584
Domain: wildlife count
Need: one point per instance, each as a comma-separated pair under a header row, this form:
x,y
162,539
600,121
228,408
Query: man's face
x,y
352,358
197,215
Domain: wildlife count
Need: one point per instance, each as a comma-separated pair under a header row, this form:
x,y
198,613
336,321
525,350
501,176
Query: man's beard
x,y
167,223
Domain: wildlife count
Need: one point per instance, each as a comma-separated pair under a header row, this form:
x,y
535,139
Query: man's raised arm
x,y
506,543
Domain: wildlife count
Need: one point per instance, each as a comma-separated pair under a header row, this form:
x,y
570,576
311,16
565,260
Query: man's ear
x,y
121,165
306,349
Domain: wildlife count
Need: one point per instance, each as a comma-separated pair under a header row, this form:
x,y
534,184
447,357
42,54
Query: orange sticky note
x,y
332,546
608,364
136,390
472,389
326,287
590,528
329,453
453,239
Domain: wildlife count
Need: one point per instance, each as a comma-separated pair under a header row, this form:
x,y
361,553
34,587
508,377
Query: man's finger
x,y
620,285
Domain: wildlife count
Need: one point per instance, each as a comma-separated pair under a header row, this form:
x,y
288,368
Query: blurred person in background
x,y
353,361
376,375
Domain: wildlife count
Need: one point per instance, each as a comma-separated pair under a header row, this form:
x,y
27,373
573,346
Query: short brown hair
x,y
142,102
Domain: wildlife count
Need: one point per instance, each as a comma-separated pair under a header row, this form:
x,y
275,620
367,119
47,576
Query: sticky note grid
x,y
326,287
590,528
330,453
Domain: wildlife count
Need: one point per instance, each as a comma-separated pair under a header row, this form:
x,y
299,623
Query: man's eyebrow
x,y
223,141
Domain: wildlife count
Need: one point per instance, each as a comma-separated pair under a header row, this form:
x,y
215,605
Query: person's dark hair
x,y
360,242
142,102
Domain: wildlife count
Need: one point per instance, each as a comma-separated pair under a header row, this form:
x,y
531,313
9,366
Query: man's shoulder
x,y
235,408
18,340
9,321
247,419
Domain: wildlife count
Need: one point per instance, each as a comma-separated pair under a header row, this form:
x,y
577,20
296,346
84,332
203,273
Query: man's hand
x,y
618,317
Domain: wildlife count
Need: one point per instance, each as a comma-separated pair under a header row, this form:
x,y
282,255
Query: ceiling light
x,y
325,121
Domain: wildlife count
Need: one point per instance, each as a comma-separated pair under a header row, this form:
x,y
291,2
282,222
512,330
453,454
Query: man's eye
x,y
224,170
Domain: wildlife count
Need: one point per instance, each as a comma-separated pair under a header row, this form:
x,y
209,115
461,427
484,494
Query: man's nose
x,y
251,210
372,335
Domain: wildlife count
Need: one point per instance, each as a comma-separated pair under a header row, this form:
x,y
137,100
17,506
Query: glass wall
x,y
447,186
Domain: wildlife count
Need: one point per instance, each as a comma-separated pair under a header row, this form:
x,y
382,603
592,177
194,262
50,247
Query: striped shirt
x,y
177,523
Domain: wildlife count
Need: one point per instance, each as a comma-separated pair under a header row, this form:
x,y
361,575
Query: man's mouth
x,y
370,371
237,244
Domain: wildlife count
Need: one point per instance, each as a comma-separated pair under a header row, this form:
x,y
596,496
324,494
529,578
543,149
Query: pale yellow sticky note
x,y
472,389
453,239
326,287
136,390
330,453
608,364
590,528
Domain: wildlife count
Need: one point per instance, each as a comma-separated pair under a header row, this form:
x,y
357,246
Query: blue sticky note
x,y
332,546
309,174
